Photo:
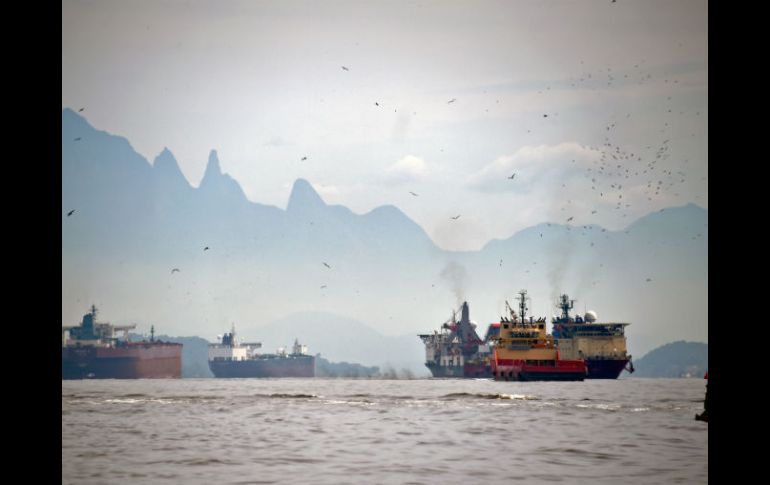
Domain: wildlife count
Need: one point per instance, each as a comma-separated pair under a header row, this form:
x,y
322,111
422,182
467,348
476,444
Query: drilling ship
x,y
456,350
230,358
91,350
601,345
524,352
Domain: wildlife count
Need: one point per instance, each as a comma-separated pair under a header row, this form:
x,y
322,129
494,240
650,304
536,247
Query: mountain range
x,y
149,248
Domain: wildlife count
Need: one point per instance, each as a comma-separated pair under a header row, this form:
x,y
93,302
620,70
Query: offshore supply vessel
x,y
92,351
601,345
229,358
524,352
456,350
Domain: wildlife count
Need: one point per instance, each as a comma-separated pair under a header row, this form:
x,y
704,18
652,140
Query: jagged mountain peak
x,y
166,164
218,183
212,169
303,195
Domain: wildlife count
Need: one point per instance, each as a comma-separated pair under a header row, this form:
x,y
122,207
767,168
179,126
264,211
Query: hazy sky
x,y
600,108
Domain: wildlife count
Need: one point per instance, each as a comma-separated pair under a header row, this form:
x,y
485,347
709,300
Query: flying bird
x,y
326,265
324,286
416,195
175,269
345,68
511,177
376,103
77,139
70,212
303,159
206,248
571,217
545,116
455,217
649,279
451,101
81,110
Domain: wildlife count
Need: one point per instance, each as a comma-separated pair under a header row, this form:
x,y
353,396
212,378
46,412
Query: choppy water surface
x,y
239,431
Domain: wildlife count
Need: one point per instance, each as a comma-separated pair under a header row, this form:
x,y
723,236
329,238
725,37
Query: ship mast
x,y
522,304
566,305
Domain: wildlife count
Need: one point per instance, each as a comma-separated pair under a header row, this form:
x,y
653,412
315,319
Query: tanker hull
x,y
132,361
291,366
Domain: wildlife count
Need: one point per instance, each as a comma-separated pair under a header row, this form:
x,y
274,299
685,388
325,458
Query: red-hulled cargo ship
x,y
524,352
92,351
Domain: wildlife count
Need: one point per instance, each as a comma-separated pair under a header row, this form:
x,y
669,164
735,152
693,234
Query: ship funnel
x,y
466,313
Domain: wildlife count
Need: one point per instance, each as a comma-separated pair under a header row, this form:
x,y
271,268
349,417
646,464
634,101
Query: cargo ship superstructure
x,y
91,350
524,352
229,358
456,349
601,345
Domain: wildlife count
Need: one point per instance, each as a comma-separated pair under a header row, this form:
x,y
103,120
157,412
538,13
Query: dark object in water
x,y
704,416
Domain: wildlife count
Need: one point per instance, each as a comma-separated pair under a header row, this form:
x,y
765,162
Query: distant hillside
x,y
342,339
677,359
324,368
195,356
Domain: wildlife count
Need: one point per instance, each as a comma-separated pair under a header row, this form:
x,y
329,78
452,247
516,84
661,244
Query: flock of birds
x,y
614,167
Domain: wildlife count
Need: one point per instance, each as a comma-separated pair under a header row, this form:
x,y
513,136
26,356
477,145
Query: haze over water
x,y
242,431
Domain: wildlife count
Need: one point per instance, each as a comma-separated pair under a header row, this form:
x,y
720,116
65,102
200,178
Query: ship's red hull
x,y
549,370
139,360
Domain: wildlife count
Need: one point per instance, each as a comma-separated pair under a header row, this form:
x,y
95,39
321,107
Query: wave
x,y
473,395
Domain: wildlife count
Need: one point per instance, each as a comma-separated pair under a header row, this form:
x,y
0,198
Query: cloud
x,y
277,141
407,169
532,164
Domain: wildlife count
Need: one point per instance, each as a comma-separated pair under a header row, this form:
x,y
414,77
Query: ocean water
x,y
338,431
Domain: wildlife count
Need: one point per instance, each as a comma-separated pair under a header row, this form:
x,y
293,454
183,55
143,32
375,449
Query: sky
x,y
599,108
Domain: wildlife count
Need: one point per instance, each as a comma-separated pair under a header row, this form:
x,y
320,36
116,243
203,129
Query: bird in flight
x,y
451,101
511,177
416,195
175,269
327,265
81,110
78,139
376,103
324,286
455,217
345,68
70,212
545,116
303,159
206,248
571,217
649,279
